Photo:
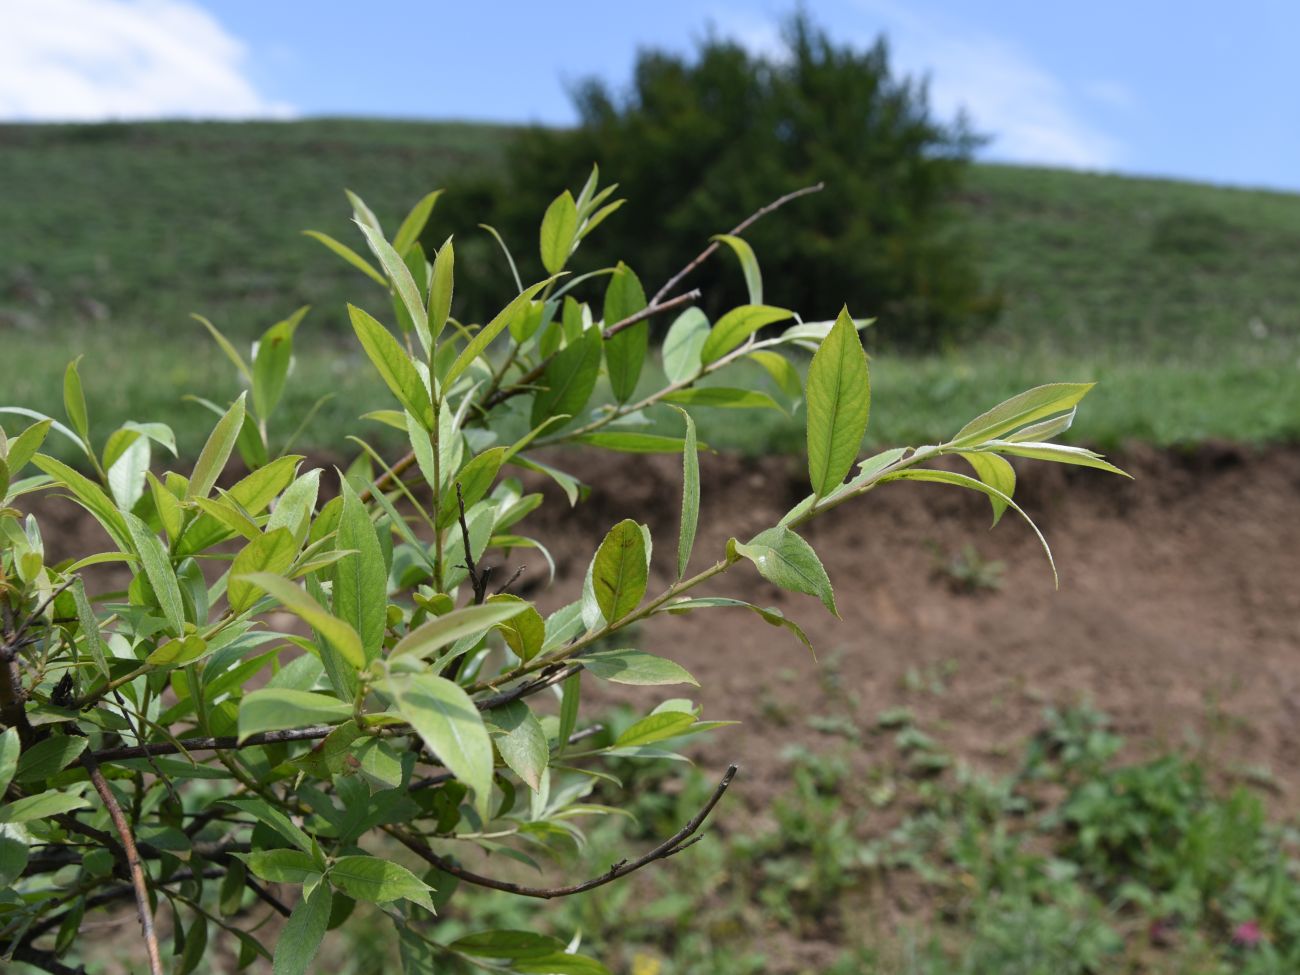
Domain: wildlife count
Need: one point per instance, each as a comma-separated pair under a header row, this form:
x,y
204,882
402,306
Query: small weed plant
x,y
291,690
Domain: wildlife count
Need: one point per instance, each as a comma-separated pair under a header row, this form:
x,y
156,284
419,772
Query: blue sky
x,y
1198,90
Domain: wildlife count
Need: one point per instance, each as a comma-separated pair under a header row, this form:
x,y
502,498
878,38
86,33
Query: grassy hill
x,y
1184,299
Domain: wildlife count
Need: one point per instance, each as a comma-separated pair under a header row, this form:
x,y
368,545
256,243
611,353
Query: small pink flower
x,y
1247,934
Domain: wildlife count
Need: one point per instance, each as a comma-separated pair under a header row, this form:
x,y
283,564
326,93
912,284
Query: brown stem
x,y
133,862
673,845
206,744
739,228
477,579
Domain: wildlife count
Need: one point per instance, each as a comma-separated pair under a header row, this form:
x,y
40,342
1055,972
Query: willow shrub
x,y
173,743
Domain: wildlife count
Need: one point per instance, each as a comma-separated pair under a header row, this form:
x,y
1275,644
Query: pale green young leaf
x,y
302,934
996,472
635,667
484,337
74,401
748,264
786,560
394,366
441,288
447,721
158,570
683,344
521,741
360,579
1031,405
1044,429
271,363
736,326
625,351
782,371
215,453
655,727
126,475
769,615
91,496
348,254
475,480
690,496
224,344
573,488
1056,453
340,635
838,396
402,283
273,552
413,226
619,570
24,446
296,504
361,213
442,631
91,636
280,708
961,480
559,232
525,632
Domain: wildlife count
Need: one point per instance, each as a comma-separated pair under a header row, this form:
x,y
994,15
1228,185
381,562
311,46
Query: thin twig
x,y
477,579
266,897
132,862
650,310
434,780
739,228
45,960
207,744
511,581
673,845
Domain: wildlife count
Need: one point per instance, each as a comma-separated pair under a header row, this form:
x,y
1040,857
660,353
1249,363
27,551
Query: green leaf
x,y
74,401
655,727
722,397
683,344
839,403
633,443
182,650
690,497
736,326
273,552
560,963
769,615
409,232
475,480
996,472
41,806
625,351
302,934
748,264
215,453
24,446
92,498
158,570
341,636
402,282
281,866
378,881
559,231
786,560
348,254
619,571
43,759
278,708
782,371
10,747
360,579
507,944
442,631
568,379
525,632
1031,405
961,480
91,636
479,343
521,741
1056,453
635,667
271,364
447,721
441,288
275,819
394,366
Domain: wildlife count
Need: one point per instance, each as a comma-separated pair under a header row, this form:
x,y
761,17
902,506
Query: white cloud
x,y
1029,112
90,60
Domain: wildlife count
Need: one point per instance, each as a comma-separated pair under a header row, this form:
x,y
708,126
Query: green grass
x,y
1181,299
